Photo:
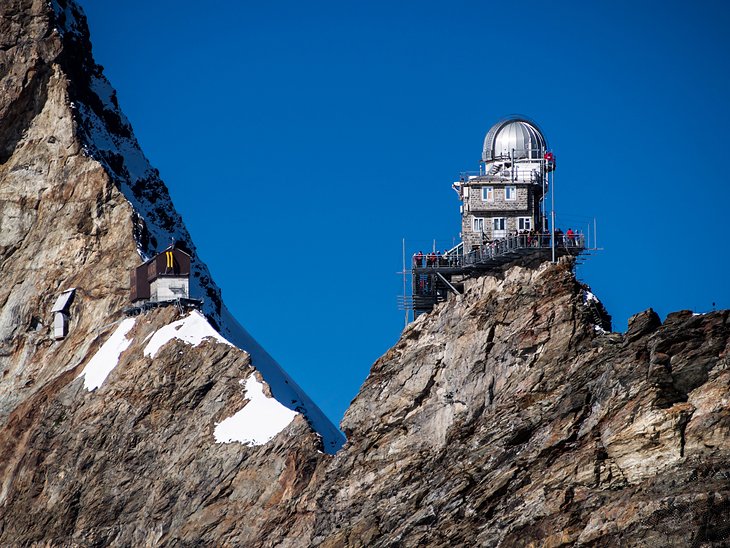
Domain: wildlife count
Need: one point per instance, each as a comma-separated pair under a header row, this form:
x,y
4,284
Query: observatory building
x,y
506,196
503,217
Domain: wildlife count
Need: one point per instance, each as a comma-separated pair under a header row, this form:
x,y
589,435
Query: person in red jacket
x,y
418,260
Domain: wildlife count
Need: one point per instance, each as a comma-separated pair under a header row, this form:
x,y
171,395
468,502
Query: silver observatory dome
x,y
516,138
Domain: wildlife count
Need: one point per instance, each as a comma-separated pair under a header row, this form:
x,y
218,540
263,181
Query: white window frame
x,y
487,194
495,221
513,193
526,223
477,225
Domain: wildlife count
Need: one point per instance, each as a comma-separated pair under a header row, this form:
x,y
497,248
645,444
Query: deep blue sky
x,y
302,140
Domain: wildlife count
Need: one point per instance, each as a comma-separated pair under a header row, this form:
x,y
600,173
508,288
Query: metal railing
x,y
505,175
457,256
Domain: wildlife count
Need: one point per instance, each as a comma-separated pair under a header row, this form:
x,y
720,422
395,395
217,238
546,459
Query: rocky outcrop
x,y
134,457
80,205
136,461
507,417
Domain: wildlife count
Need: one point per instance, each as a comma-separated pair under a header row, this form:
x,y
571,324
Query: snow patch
x,y
66,18
193,329
116,148
589,297
258,422
107,357
283,387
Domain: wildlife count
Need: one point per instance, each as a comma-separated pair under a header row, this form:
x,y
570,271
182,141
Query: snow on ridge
x,y
258,421
100,143
104,91
192,329
283,387
65,17
109,146
107,357
589,297
288,398
136,163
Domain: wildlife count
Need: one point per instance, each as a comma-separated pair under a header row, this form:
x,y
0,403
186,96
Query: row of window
x,y
510,193
499,224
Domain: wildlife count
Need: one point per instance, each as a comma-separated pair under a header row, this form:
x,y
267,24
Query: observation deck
x,y
434,276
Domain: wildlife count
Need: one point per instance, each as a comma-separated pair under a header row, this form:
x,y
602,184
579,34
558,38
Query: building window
x,y
524,223
487,194
499,227
510,193
478,224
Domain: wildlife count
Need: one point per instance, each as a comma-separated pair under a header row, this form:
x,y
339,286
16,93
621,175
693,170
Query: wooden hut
x,y
165,277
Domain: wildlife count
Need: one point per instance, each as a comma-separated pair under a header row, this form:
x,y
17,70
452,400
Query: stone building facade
x,y
505,197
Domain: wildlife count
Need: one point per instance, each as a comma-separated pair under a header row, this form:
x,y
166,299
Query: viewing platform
x,y
435,275
505,218
182,304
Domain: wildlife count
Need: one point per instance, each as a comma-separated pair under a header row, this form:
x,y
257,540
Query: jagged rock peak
x,y
512,416
80,206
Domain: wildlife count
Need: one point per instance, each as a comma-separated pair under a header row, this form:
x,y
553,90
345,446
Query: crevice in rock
x,y
20,114
682,423
420,398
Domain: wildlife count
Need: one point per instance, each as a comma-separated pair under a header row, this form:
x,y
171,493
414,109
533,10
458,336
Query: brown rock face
x,y
134,461
509,416
62,221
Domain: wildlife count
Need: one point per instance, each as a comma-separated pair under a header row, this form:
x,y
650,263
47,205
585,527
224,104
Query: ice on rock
x,y
107,357
258,422
192,329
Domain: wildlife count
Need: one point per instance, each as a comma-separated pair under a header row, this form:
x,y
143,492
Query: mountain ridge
x,y
92,139
508,416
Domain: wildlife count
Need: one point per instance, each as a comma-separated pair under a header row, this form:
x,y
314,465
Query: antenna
x,y
404,283
552,216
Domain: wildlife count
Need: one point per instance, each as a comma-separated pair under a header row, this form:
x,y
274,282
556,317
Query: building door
x,y
499,228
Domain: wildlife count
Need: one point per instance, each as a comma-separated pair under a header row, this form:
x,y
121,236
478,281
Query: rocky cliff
x,y
80,206
509,416
203,413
